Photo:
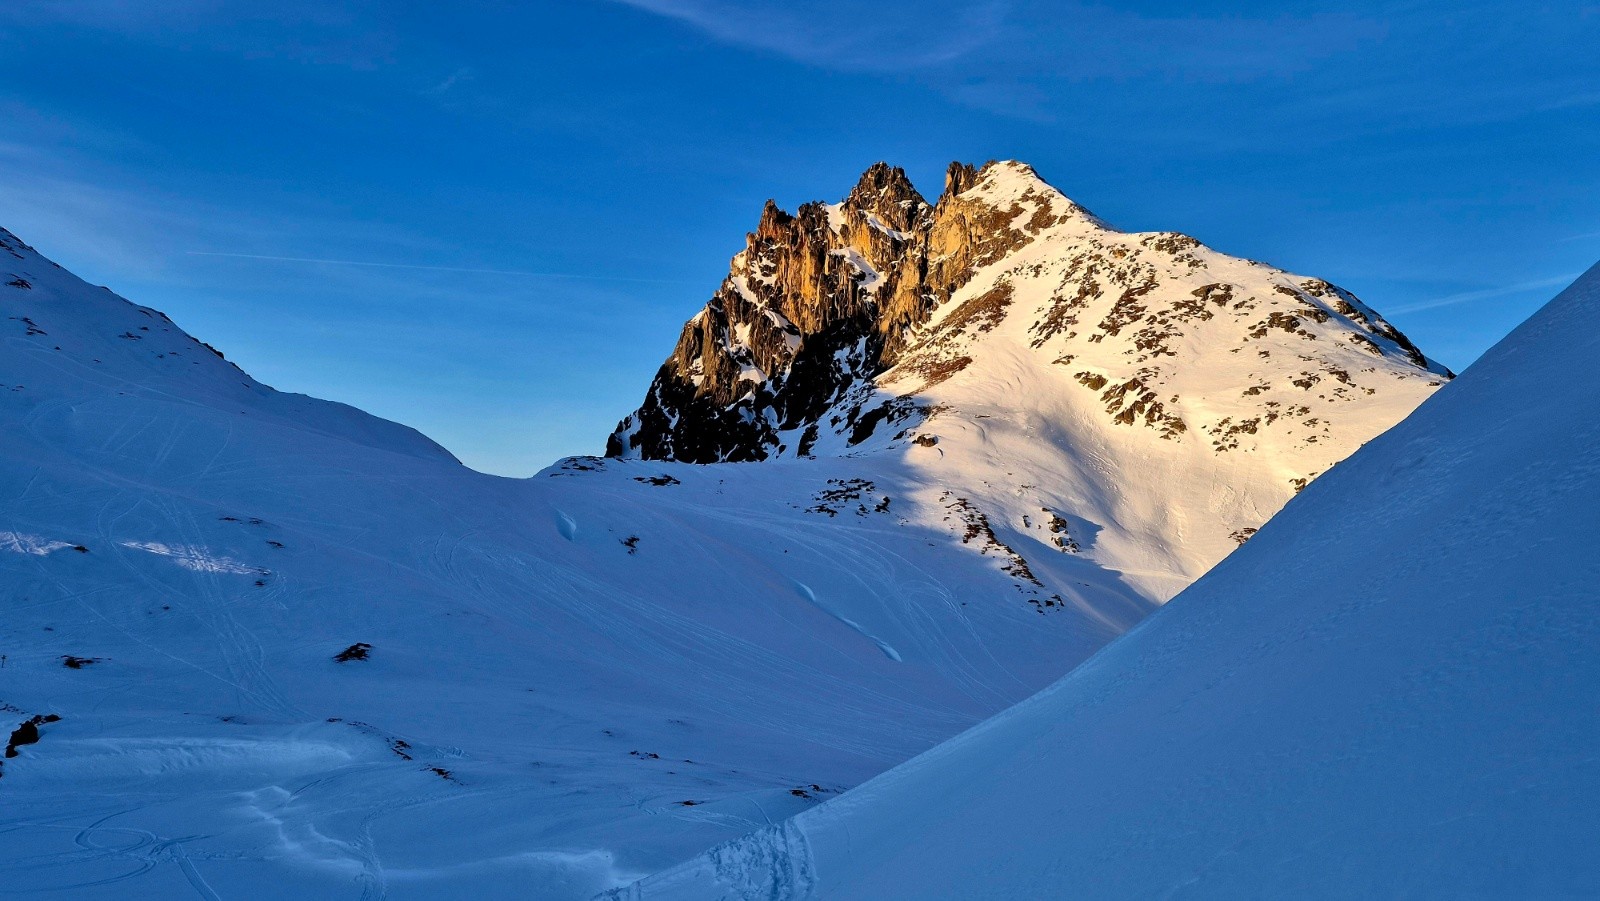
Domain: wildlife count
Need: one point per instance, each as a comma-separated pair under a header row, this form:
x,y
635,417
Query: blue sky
x,y
529,198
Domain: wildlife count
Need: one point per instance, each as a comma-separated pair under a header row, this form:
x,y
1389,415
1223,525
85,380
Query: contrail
x,y
517,272
1485,294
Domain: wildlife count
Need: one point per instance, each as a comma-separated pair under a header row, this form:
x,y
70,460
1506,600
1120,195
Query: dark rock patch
x,y
28,732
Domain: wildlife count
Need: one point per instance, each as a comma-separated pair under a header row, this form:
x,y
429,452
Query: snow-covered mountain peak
x,y
1168,396
1022,201
882,290
1009,183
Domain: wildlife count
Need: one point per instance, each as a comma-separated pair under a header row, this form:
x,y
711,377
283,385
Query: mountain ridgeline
x,y
835,322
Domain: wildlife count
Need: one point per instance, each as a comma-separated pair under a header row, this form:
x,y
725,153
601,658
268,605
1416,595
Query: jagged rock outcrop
x,y
808,311
818,303
833,320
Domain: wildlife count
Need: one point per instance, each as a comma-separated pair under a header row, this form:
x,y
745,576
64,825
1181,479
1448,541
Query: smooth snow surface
x,y
1390,691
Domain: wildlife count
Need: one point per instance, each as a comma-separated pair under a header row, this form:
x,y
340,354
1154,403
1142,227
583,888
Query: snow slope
x,y
81,345
1389,691
571,680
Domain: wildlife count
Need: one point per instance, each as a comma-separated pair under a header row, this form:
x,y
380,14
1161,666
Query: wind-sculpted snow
x,y
195,558
1388,692
19,543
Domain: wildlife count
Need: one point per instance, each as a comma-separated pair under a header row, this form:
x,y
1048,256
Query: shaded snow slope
x,y
549,687
1389,691
78,344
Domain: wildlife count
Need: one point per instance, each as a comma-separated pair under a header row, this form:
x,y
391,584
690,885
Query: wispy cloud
x,y
354,35
1451,300
444,86
380,265
1074,40
1582,99
841,34
100,221
1014,57
119,14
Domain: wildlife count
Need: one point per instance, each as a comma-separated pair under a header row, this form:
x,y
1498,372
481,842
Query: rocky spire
x,y
885,192
959,177
819,302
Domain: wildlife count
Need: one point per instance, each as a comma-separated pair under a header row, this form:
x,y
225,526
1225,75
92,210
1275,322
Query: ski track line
x,y
214,612
97,614
810,596
861,561
242,649
656,644
851,557
554,585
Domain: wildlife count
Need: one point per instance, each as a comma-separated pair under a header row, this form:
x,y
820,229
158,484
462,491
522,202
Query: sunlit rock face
x,y
839,320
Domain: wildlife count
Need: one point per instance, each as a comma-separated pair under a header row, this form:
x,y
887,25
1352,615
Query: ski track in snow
x,y
193,558
808,594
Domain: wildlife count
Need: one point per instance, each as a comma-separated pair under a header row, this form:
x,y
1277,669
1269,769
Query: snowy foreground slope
x,y
1390,692
572,680
550,687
